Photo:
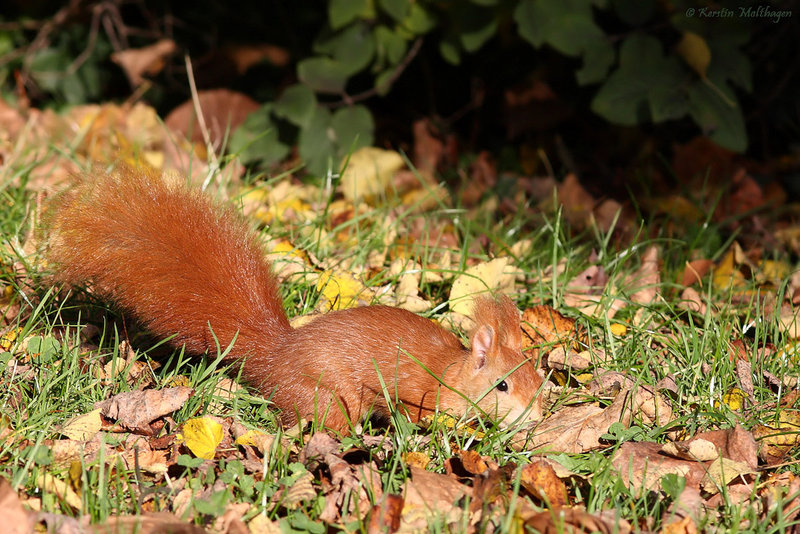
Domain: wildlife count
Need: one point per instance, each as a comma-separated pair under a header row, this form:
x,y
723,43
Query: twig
x,y
349,100
201,121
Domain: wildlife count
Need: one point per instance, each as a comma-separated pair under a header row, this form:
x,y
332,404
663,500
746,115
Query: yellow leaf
x,y
258,439
477,280
8,339
727,274
83,427
49,484
619,329
340,290
695,52
734,398
202,436
369,172
417,459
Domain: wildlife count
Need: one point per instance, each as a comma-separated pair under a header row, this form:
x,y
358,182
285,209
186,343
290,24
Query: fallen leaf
x,y
83,427
223,111
369,172
135,409
540,480
148,60
202,435
340,290
16,520
560,520
495,275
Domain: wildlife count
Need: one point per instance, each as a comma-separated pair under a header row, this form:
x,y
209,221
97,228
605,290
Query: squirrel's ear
x,y
482,341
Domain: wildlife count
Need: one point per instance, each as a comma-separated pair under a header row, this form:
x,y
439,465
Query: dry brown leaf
x,y
386,516
647,278
577,202
223,111
148,60
147,523
428,150
641,466
473,462
136,409
560,520
695,271
15,519
540,480
546,328
247,55
429,494
577,429
692,301
417,459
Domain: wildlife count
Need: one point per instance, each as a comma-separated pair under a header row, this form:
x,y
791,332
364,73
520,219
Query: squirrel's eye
x,y
502,386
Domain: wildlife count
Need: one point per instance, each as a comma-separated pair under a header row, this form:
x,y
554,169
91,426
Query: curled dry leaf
x,y
540,480
560,520
136,409
473,462
386,516
692,301
149,60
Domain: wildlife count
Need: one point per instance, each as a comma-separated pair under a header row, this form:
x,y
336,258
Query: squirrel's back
x,y
184,264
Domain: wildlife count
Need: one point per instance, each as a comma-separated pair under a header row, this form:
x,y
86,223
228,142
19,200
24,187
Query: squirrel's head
x,y
497,376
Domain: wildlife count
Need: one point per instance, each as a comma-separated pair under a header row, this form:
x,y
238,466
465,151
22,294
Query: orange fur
x,y
187,266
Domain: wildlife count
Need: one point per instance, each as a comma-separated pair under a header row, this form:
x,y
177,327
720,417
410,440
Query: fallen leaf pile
x,y
643,415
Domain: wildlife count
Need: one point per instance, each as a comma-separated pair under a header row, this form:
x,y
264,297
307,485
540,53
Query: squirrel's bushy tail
x,y
182,264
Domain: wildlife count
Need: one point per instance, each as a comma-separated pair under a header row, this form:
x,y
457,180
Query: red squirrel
x,y
186,266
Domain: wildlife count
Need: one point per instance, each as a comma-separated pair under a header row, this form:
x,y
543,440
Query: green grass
x,y
55,380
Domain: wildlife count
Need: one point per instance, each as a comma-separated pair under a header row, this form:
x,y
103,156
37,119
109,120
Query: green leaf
x,y
634,12
315,143
419,20
389,45
721,122
729,63
323,74
296,105
256,139
352,48
645,81
382,85
342,12
450,51
397,9
596,62
566,25
668,103
353,127
525,15
475,26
